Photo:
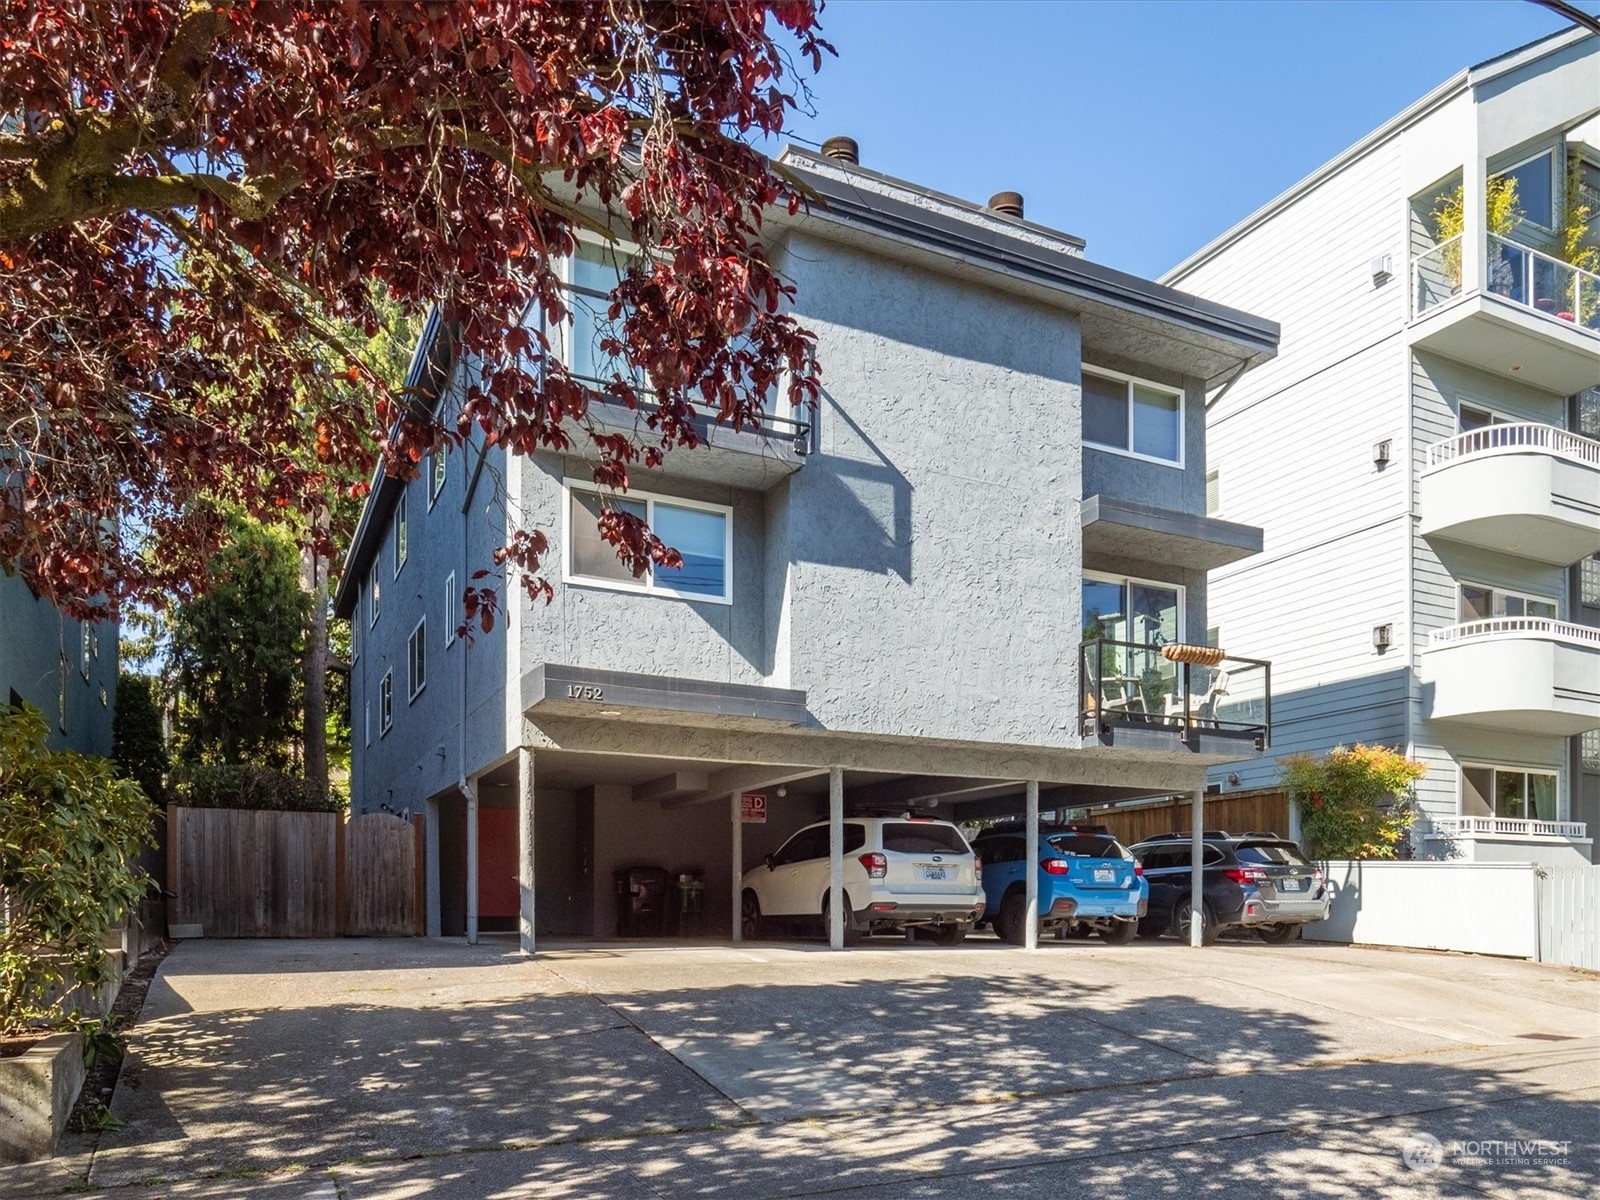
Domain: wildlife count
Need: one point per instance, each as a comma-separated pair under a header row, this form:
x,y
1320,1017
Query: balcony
x,y
1514,674
1506,827
1128,529
1524,489
756,457
1143,698
1536,321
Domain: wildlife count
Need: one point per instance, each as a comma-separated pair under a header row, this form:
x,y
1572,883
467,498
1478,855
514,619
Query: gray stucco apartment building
x,y
883,601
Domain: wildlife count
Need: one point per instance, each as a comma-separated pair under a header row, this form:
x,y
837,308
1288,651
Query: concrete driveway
x,y
385,1070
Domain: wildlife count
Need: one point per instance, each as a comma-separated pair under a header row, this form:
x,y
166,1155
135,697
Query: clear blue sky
x,y
1146,128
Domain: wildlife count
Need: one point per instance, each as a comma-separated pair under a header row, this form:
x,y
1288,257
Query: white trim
x,y
647,587
366,723
416,645
438,456
374,596
1106,577
386,703
1515,627
400,548
451,600
1516,829
1130,381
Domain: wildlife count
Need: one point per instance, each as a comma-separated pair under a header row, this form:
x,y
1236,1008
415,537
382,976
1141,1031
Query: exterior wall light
x,y
1381,637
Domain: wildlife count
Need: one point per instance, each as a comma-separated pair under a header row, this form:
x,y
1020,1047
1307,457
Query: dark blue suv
x,y
1087,881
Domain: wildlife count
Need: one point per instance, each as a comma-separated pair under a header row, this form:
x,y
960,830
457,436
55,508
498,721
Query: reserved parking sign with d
x,y
752,808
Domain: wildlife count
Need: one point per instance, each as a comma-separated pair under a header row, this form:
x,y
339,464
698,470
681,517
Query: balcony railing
x,y
772,425
1515,627
1516,436
1135,683
1513,272
1519,827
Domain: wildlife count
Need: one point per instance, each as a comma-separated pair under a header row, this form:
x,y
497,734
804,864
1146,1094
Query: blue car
x,y
1088,882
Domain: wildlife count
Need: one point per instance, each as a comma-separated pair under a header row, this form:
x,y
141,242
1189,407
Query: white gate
x,y
1569,916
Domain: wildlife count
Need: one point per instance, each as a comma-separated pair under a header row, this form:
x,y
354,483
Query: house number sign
x,y
583,691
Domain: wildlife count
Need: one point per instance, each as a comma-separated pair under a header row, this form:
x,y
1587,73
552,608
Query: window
x,y
1470,417
1589,581
417,660
88,636
374,597
1589,750
385,703
94,641
452,610
1480,603
1213,492
1131,416
400,534
366,723
923,837
437,468
355,642
1132,610
1508,792
593,273
1536,188
701,533
804,846
105,697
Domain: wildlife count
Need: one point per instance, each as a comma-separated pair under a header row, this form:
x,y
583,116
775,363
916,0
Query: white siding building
x,y
1423,454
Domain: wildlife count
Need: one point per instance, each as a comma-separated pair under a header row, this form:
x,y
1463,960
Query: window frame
x,y
1124,580
1554,601
87,631
1495,770
450,601
1557,183
417,660
624,250
1129,381
374,596
386,703
400,534
647,587
438,473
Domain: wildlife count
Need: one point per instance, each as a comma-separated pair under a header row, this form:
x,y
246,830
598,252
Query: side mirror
x,y
768,860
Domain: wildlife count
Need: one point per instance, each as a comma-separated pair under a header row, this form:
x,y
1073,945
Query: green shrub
x,y
137,745
241,786
70,831
1355,802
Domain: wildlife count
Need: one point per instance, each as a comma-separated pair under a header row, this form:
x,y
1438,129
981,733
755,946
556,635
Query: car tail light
x,y
876,864
1316,876
977,868
1138,868
1245,874
1055,866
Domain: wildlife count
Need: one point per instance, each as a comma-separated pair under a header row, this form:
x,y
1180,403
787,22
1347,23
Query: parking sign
x,y
752,808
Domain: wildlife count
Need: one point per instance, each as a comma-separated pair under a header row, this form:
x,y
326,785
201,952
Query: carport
x,y
618,770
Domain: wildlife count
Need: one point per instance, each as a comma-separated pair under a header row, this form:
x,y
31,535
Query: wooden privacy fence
x,y
245,873
1244,812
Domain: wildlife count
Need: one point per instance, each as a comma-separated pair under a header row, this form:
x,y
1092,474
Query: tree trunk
x,y
314,576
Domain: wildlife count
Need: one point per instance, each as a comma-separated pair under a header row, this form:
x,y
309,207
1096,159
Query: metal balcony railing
x,y
1515,627
1514,272
1133,683
1517,435
767,425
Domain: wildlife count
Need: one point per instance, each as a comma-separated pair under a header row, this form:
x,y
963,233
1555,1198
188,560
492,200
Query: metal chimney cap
x,y
842,148
1009,203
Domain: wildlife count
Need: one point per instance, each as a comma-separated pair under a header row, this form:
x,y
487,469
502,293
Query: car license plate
x,y
931,873
1105,875
1290,885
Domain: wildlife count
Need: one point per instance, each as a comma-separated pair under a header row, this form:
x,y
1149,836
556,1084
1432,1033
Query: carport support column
x,y
1030,873
472,862
737,817
1197,866
525,843
836,858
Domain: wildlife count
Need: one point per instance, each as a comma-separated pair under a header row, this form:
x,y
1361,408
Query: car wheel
x,y
852,935
1278,935
751,926
1119,933
1180,923
947,935
1013,916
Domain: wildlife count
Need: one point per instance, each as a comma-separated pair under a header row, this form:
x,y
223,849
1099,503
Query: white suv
x,y
899,873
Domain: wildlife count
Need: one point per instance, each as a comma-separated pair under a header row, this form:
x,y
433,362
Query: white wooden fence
x,y
1520,910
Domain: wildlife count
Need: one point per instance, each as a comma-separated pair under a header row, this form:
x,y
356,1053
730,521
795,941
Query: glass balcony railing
x,y
1138,683
1513,272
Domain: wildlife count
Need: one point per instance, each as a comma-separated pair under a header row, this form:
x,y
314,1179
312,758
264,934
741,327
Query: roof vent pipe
x,y
842,148
1009,203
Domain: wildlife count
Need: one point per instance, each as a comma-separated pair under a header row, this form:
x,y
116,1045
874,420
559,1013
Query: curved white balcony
x,y
1517,674
1525,489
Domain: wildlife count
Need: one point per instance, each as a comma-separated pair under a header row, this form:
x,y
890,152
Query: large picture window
x,y
1536,188
1479,603
1145,615
701,533
1132,416
1508,792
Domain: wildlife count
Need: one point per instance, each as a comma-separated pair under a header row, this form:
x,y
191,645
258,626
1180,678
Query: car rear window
x,y
917,837
1279,854
1087,847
